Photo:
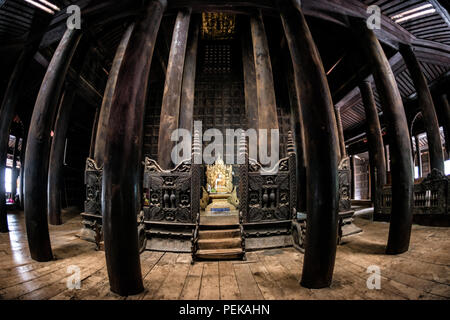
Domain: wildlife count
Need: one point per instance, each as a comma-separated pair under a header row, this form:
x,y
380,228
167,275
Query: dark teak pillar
x,y
170,108
342,150
7,111
188,86
10,100
265,90
123,155
14,169
320,130
248,64
22,168
56,161
299,135
102,125
419,156
38,147
445,111
400,144
426,105
375,140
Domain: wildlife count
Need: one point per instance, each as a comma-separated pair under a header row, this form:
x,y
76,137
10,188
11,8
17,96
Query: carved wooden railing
x,y
431,196
168,192
267,197
345,215
92,215
173,207
241,229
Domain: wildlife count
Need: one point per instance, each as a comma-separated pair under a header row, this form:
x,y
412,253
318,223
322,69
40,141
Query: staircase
x,y
219,239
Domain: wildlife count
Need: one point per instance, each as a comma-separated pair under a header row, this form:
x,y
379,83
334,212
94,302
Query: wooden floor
x,y
421,273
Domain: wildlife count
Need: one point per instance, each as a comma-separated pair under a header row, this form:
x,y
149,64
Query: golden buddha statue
x,y
219,178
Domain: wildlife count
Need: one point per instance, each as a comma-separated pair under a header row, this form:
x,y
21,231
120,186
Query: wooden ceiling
x,y
106,21
433,27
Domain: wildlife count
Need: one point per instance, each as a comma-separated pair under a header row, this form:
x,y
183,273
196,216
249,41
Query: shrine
x,y
178,149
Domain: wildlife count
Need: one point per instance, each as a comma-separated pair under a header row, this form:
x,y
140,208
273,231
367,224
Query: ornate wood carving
x,y
93,180
344,174
292,174
170,192
431,196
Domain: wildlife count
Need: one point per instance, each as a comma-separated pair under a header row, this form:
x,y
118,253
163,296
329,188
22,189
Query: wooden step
x,y
219,222
219,234
220,254
225,243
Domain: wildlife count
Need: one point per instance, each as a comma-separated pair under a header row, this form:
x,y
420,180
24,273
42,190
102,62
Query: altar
x,y
219,198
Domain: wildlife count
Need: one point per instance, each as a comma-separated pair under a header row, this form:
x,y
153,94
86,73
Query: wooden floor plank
x,y
210,288
421,273
191,288
229,289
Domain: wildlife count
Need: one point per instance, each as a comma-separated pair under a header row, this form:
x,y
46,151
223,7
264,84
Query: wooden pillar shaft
x,y
94,133
375,140
426,105
298,135
38,147
343,151
22,169
7,111
248,64
11,98
14,174
123,155
170,107
445,108
418,155
56,161
353,171
320,130
265,90
400,144
102,126
188,86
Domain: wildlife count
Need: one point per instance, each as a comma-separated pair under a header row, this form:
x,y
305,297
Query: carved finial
x,y
290,143
243,152
196,148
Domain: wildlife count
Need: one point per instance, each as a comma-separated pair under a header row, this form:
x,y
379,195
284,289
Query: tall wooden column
x,y
22,169
426,105
38,147
248,64
10,101
123,155
103,120
56,161
296,121
419,156
7,112
320,130
400,144
94,132
343,151
445,107
170,108
375,139
14,174
188,86
265,90
353,170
